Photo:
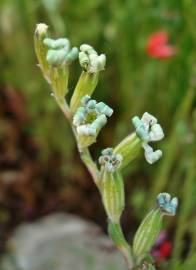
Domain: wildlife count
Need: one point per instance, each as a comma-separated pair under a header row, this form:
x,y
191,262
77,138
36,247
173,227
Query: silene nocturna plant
x,y
87,117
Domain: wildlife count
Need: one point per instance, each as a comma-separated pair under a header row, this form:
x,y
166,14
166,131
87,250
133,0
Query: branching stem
x,y
86,157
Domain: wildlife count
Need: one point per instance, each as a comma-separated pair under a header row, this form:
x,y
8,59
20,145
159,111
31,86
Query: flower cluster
x,y
167,204
91,117
148,130
109,160
59,52
90,61
87,117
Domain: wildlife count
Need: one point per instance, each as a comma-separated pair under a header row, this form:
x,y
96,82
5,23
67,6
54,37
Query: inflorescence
x,y
90,61
91,117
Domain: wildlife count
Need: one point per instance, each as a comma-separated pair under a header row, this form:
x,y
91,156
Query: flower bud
x,y
167,204
92,64
150,227
147,232
59,52
41,32
112,187
150,155
148,130
59,57
89,120
110,161
90,61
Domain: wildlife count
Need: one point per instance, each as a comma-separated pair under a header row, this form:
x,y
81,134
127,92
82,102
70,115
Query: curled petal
x,y
86,130
156,133
151,155
167,205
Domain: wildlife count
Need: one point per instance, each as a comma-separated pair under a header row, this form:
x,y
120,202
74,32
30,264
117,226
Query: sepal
x,y
112,188
41,32
129,149
147,233
150,227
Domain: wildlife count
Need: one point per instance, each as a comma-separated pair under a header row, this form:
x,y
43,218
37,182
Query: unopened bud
x,y
41,32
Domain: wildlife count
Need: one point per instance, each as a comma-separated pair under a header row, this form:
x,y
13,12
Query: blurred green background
x,y
40,171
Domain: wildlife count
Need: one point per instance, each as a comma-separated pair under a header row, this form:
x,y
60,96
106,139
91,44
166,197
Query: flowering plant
x,y
87,117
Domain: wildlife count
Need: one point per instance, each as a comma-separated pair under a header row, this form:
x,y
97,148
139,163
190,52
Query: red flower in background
x,y
162,248
158,46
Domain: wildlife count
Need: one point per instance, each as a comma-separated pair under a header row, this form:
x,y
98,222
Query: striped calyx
x,y
92,64
147,233
148,130
112,186
85,86
89,120
129,149
167,204
150,227
54,56
113,195
41,32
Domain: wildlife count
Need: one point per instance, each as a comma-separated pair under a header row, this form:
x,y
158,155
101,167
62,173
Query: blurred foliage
x,y
132,83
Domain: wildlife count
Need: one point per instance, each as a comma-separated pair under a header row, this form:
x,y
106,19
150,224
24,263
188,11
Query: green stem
x,y
91,166
116,234
64,107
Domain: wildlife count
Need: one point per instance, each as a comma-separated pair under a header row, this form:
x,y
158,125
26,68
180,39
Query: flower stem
x,y
64,107
91,166
116,233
